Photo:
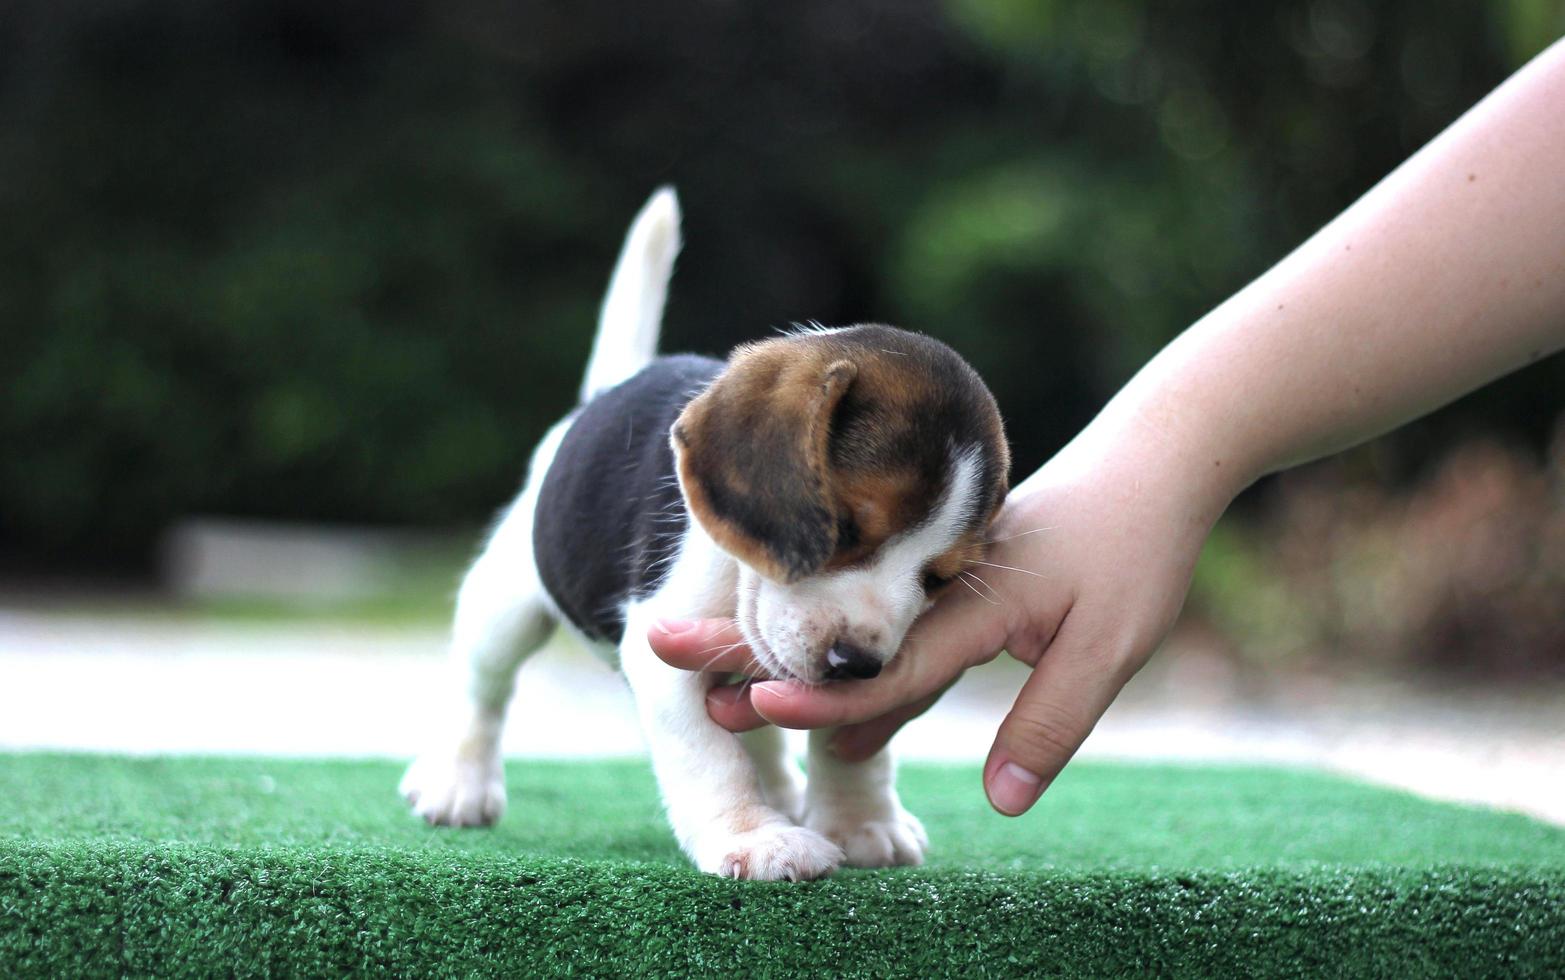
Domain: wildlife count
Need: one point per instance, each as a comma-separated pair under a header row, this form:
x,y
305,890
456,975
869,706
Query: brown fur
x,y
811,451
969,549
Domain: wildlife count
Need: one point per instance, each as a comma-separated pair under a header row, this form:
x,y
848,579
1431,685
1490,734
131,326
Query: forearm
x,y
1449,273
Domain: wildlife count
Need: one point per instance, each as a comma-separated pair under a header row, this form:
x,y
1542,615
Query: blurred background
x,y
289,289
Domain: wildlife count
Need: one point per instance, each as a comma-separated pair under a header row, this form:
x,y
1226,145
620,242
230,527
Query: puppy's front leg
x,y
855,804
709,784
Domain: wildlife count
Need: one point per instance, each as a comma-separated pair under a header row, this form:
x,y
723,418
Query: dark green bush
x,y
341,260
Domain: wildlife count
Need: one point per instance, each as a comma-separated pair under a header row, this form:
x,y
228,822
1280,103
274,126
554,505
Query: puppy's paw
x,y
887,838
455,792
774,852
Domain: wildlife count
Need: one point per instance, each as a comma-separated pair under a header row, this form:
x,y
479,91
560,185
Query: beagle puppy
x,y
818,488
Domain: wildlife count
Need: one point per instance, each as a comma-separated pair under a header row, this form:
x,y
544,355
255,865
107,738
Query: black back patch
x,y
610,516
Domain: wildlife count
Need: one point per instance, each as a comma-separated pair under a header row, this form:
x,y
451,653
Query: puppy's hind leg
x,y
501,617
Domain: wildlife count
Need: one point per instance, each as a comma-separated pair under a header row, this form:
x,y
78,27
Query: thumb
x,y
1073,683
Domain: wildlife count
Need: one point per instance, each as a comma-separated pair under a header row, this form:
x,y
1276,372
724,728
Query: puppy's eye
x,y
934,582
847,533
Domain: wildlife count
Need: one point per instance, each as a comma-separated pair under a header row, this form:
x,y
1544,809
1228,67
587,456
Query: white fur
x,y
714,794
791,626
738,805
632,311
502,615
856,805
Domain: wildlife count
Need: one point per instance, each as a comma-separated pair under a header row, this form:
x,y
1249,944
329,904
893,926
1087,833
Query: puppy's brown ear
x,y
752,455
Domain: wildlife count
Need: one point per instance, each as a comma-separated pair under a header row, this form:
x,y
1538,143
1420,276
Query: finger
x,y
730,707
856,743
702,644
955,635
1072,685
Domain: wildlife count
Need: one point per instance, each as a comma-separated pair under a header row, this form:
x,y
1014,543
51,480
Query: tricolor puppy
x,y
817,488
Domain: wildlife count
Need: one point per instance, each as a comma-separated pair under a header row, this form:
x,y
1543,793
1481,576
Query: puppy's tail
x,y
633,307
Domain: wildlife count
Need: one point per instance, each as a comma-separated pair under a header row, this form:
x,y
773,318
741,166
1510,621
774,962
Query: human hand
x,y
1092,555
1089,565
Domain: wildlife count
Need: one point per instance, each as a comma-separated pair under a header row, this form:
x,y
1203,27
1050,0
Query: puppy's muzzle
x,y
844,661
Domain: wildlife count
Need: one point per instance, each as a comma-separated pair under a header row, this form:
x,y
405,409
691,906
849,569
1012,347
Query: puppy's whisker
x,y
721,648
993,593
1011,568
1023,534
963,578
719,654
983,582
967,569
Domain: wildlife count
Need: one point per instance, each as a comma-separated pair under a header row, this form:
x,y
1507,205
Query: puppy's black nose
x,y
844,661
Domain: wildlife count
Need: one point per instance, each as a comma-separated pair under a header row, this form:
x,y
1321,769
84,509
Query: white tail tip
x,y
632,313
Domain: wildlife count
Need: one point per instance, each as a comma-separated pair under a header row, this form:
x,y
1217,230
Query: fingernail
x,y
1013,789
673,626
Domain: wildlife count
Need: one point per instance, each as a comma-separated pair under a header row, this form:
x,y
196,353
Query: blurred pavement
x,y
138,683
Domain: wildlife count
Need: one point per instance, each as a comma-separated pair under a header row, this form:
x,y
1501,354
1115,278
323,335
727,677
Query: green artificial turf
x,y
112,866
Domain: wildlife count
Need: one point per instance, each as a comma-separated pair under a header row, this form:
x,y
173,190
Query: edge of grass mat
x,y
135,909
133,867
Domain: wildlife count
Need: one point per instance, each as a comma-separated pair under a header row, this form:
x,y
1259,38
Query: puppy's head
x,y
852,473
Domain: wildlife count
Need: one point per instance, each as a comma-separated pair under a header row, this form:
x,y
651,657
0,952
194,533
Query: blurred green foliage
x,y
341,260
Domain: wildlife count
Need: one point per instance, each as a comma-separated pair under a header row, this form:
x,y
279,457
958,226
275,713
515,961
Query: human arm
x,y
1447,274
